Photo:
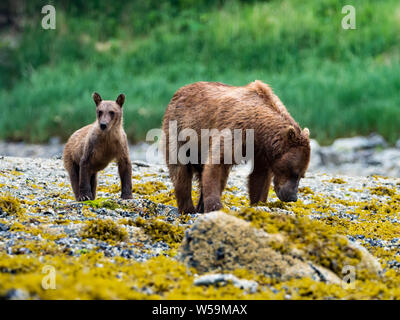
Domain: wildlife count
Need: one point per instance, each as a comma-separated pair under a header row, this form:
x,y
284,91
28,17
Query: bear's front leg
x,y
211,183
85,192
259,184
125,174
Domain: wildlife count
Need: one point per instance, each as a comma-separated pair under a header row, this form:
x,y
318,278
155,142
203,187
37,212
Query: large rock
x,y
315,159
359,143
357,156
350,150
367,261
221,242
398,144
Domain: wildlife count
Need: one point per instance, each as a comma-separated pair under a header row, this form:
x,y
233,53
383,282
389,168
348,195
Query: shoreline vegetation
x,y
336,82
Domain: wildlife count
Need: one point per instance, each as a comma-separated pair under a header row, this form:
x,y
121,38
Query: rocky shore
x,y
340,240
356,156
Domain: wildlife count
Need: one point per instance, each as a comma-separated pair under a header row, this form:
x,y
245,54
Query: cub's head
x,y
291,166
109,113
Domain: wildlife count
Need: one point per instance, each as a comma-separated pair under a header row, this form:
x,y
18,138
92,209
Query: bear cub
x,y
91,148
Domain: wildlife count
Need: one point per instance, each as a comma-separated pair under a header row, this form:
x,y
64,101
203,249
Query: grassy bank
x,y
336,82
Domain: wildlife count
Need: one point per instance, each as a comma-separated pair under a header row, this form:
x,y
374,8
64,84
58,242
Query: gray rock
x,y
16,294
3,227
368,261
221,242
141,164
359,143
222,279
315,160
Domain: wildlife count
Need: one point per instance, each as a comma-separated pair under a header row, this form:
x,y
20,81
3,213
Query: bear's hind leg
x,y
211,181
182,176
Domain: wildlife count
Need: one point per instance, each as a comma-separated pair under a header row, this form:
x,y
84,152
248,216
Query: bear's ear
x,y
96,98
290,134
120,100
306,133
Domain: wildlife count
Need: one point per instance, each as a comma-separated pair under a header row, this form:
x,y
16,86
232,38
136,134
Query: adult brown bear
x,y
281,148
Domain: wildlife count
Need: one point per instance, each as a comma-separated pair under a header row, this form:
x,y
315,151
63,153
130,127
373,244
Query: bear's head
x,y
109,113
291,166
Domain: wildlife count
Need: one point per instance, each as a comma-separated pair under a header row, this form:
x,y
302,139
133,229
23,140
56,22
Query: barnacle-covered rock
x,y
222,242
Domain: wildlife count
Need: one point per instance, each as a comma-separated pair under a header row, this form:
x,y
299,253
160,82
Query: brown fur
x,y
91,149
281,148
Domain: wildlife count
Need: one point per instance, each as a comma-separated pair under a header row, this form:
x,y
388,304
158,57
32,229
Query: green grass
x,y
336,82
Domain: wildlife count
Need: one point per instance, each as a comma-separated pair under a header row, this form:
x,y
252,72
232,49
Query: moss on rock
x,y
104,229
314,240
277,246
161,230
11,205
337,181
102,203
148,188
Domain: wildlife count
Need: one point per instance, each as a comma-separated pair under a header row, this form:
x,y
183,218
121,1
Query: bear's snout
x,y
290,198
103,126
287,195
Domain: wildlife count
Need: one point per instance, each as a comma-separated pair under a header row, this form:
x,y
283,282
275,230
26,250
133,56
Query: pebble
x,y
223,279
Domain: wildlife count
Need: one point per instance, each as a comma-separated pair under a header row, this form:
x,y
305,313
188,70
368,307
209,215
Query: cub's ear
x,y
121,99
290,134
306,133
96,98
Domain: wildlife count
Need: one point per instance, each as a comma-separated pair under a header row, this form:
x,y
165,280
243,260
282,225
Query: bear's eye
x,y
100,113
112,113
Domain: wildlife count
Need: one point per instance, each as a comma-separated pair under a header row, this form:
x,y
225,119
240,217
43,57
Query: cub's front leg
x,y
85,192
125,174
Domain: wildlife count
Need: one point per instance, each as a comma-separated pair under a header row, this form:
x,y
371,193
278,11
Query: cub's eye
x,y
100,113
112,113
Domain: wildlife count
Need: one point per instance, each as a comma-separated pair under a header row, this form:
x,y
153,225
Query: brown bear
x,y
281,149
92,148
